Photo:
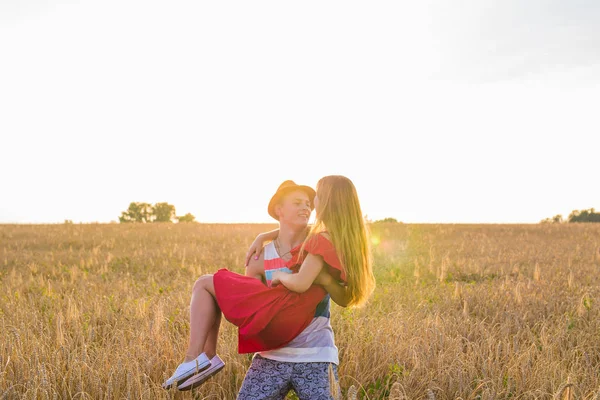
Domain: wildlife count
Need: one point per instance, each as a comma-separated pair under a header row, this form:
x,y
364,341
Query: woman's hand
x,y
275,280
255,248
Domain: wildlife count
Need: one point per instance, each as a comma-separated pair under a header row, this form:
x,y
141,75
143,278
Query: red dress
x,y
269,318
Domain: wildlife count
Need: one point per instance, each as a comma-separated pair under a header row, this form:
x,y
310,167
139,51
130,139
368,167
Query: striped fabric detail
x,y
273,263
316,343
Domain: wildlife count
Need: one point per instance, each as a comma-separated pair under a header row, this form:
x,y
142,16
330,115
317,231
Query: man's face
x,y
294,208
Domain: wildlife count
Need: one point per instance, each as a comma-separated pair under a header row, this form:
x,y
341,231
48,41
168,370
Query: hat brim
x,y
275,199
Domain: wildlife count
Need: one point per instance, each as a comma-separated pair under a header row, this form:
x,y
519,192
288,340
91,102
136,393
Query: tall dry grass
x,y
460,311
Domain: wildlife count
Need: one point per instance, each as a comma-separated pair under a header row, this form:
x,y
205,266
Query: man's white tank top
x,y
316,343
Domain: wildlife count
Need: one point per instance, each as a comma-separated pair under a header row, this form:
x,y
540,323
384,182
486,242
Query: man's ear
x,y
278,210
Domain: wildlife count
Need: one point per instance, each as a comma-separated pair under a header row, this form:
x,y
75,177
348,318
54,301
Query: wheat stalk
x,y
537,273
352,393
565,391
396,392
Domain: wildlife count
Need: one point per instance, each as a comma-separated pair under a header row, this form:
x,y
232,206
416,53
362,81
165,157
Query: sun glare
x,y
375,240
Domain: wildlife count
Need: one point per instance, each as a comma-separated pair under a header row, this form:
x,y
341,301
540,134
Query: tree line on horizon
x,y
140,212
575,216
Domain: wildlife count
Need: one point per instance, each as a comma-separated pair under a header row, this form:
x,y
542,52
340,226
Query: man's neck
x,y
291,236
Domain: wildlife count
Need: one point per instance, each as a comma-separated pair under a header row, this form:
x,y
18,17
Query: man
x,y
306,364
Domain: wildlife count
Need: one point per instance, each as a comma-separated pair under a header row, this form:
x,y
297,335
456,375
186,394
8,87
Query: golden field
x,y
99,311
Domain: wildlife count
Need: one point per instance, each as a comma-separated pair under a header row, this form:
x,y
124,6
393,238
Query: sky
x,y
470,111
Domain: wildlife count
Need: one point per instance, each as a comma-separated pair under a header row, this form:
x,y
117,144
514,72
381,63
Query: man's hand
x,y
337,291
324,278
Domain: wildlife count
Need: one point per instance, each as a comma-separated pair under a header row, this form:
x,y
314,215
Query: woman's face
x,y
316,203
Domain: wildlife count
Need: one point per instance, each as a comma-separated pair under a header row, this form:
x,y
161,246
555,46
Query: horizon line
x,y
259,223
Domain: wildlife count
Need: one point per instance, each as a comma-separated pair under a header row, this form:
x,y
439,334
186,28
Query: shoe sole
x,y
184,378
199,382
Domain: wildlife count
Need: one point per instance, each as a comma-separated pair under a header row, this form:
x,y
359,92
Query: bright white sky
x,y
439,111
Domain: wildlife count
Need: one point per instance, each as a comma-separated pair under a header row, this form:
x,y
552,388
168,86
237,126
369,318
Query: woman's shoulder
x,y
320,244
321,235
321,240
325,234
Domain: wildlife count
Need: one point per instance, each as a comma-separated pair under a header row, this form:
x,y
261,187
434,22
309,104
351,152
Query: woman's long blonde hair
x,y
340,215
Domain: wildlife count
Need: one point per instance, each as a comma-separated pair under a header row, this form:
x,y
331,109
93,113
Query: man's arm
x,y
338,292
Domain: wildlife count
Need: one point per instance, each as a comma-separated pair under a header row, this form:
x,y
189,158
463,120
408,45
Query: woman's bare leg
x,y
204,315
210,347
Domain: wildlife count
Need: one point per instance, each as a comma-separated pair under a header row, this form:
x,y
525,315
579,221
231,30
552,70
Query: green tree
x,y
557,219
584,216
187,218
386,220
137,212
163,212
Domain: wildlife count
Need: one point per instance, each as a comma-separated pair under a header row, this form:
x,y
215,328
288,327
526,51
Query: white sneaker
x,y
216,365
187,369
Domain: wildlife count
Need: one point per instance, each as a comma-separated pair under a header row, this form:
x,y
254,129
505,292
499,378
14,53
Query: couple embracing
x,y
281,305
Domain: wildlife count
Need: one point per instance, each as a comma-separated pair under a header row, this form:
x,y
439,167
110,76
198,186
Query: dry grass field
x,y
460,311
